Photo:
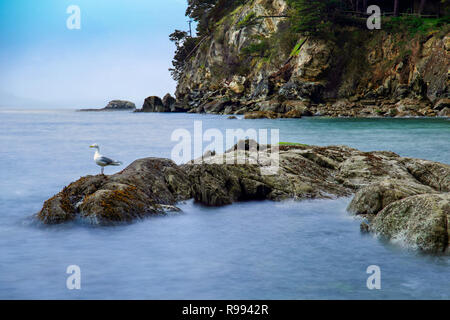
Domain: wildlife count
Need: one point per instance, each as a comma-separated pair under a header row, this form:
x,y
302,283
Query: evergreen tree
x,y
313,17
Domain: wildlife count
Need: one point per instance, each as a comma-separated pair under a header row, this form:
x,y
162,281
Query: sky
x,y
121,51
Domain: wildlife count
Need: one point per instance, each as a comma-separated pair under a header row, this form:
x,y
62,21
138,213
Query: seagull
x,y
101,160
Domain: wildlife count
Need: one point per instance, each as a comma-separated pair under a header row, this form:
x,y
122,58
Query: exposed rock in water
x,y
139,190
420,222
120,105
272,115
167,104
114,105
383,182
261,115
153,104
376,196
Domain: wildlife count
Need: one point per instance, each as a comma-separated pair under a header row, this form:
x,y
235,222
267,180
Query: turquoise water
x,y
254,250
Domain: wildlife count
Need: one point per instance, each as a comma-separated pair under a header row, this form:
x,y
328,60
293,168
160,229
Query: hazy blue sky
x,y
122,51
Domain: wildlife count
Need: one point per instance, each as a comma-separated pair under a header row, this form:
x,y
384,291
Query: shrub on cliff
x,y
207,12
314,17
185,45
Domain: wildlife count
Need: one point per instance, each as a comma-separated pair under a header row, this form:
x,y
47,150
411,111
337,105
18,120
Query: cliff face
x,y
252,62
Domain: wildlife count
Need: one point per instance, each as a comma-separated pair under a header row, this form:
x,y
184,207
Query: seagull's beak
x,y
91,147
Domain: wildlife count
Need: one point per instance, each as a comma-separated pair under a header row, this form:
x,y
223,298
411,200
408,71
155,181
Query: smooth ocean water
x,y
253,250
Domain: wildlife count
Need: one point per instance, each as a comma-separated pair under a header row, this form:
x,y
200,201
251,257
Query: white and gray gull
x,y
103,161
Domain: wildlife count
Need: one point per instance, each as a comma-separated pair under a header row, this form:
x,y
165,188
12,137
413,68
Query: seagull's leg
x,y
102,169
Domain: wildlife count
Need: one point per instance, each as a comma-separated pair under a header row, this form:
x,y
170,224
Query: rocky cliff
x,y
253,62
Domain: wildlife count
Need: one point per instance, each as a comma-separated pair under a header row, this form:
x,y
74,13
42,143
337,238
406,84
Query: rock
x,y
292,114
137,191
295,90
401,198
228,110
261,115
215,106
115,105
442,104
362,169
169,103
433,174
236,87
364,227
147,184
154,104
444,112
120,105
232,117
418,222
376,196
301,107
215,185
411,107
270,106
240,111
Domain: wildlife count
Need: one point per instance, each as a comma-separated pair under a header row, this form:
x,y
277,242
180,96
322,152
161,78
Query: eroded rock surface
x,y
143,188
396,194
420,221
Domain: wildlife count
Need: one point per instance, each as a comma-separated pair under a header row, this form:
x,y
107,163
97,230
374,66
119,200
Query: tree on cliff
x,y
207,12
313,17
185,45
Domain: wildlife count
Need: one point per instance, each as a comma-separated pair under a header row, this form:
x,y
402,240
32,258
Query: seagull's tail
x,y
117,163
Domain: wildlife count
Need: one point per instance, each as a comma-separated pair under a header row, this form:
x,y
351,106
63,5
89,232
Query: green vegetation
x,y
185,45
295,52
205,13
248,20
323,19
414,25
271,49
315,18
260,48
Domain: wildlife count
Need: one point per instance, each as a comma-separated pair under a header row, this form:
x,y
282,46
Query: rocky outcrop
x,y
390,190
120,105
153,104
358,74
412,209
169,102
374,197
156,104
273,115
115,105
144,188
420,221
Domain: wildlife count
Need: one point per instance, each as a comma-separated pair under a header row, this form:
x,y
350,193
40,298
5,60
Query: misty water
x,y
252,250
